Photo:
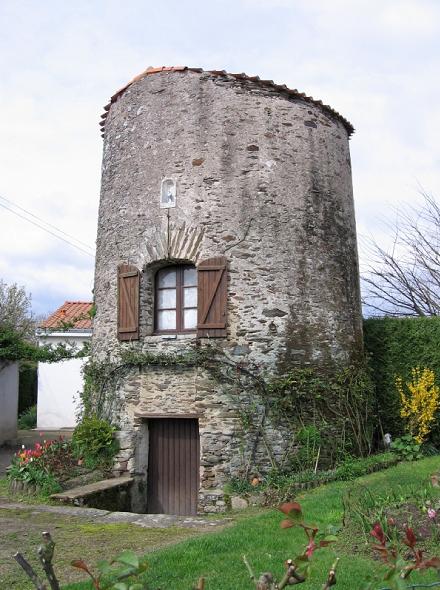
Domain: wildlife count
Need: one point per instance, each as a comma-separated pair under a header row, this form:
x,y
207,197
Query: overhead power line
x,y
45,228
45,222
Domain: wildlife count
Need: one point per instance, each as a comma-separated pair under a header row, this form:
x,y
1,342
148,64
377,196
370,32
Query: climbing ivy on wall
x,y
395,346
338,405
102,377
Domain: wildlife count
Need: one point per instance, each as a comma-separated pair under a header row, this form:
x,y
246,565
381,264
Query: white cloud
x,y
417,19
375,62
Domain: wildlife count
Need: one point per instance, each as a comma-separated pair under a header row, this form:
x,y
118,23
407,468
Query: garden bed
x,y
280,488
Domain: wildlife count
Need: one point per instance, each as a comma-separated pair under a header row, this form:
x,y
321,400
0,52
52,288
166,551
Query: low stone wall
x,y
17,486
212,501
109,494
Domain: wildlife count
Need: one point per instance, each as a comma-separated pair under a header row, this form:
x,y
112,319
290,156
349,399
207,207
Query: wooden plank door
x,y
173,466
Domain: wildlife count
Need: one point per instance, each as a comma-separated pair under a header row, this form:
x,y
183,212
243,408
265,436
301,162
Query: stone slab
x,y
92,488
160,521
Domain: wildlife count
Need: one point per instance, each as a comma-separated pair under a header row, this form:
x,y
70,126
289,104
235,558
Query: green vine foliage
x,y
334,410
101,377
14,348
330,414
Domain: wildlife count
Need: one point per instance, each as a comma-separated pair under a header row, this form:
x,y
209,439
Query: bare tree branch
x,y
405,279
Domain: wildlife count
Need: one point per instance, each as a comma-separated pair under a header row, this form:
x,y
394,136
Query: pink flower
x,y
432,513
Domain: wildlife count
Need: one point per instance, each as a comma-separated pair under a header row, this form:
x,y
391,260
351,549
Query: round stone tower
x,y
226,217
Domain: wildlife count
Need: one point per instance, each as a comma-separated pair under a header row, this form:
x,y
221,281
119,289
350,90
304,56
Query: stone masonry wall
x,y
227,449
262,179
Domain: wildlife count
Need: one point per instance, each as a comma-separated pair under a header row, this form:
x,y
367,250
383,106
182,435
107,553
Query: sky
x,y
375,62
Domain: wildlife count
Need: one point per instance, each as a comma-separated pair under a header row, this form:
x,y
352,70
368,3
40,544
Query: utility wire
x,y
47,230
45,222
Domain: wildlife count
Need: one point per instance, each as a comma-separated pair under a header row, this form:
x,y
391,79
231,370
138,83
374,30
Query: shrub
x,y
28,418
419,403
94,441
407,448
28,385
58,458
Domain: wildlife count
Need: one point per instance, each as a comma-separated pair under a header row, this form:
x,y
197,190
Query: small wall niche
x,y
168,192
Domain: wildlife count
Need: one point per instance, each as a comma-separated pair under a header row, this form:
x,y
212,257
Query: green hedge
x,y
28,386
395,346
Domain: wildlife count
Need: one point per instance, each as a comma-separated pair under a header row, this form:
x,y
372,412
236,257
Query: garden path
x,y
161,521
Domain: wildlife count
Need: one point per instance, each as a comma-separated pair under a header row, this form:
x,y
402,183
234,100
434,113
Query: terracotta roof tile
x,y
281,88
71,315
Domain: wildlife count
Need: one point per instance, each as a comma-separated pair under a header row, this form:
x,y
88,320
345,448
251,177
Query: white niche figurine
x,y
168,193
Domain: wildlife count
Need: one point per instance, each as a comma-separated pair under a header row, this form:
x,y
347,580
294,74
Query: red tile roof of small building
x,y
281,88
72,315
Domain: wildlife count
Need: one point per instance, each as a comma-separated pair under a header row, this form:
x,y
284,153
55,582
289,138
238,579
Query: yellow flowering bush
x,y
420,400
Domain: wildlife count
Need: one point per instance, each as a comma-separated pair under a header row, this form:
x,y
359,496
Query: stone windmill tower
x,y
226,216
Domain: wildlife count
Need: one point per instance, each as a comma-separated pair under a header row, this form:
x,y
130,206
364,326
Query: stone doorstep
x,y
92,488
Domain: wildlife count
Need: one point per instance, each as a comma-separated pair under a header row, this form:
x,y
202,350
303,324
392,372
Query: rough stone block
x,y
238,503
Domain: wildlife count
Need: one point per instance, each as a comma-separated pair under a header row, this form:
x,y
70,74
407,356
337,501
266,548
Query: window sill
x,y
179,337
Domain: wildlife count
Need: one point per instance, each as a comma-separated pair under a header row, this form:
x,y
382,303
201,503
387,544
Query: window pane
x,y
190,319
166,278
166,320
189,276
166,298
190,297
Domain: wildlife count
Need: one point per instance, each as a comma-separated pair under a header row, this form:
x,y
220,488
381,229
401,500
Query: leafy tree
x,y
404,280
15,310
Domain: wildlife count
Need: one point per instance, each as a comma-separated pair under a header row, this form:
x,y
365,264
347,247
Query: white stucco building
x,y
59,383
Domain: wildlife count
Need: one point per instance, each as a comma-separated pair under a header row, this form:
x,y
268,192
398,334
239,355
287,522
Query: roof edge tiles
x,y
73,315
281,88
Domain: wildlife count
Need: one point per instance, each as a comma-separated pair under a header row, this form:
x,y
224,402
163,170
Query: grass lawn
x,y
217,556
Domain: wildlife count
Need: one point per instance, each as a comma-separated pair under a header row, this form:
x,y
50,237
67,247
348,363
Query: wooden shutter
x,y
128,302
212,294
